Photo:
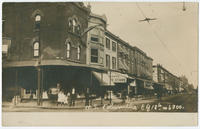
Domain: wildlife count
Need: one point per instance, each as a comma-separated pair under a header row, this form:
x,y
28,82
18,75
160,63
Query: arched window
x,y
37,18
68,49
36,49
78,52
78,29
74,23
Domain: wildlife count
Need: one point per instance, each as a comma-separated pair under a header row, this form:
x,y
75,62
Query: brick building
x,y
44,47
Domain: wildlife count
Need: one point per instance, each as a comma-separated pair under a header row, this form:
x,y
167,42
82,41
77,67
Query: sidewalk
x,y
80,104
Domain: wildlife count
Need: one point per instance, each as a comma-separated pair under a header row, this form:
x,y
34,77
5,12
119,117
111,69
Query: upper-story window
x,y
36,49
6,43
107,61
107,43
94,38
68,50
78,29
114,46
38,18
78,52
113,63
74,23
94,55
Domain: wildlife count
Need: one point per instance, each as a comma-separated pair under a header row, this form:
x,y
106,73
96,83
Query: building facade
x,y
95,40
44,47
171,83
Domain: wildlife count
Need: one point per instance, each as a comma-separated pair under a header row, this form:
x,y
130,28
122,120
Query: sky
x,y
171,40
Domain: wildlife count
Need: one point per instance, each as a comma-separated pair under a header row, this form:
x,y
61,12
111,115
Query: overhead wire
x,y
158,37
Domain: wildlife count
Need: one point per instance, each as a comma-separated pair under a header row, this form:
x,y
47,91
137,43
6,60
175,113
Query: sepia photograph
x,y
98,58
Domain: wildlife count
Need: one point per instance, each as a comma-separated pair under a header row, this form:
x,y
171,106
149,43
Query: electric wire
x,y
158,37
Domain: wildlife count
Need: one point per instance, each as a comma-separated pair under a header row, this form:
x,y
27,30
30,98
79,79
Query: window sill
x,y
96,42
71,60
75,34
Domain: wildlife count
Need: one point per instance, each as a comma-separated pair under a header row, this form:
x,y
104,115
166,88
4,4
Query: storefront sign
x,y
118,78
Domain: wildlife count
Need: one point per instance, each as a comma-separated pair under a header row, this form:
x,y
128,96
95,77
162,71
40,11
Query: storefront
x,y
22,81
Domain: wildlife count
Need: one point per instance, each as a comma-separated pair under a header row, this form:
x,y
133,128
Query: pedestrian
x,y
87,98
73,97
66,99
60,98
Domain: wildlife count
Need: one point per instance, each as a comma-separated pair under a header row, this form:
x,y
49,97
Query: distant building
x,y
171,83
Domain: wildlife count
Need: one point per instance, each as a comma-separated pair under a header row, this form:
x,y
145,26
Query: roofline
x,y
158,65
98,16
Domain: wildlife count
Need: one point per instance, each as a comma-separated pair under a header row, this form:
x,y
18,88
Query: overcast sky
x,y
171,40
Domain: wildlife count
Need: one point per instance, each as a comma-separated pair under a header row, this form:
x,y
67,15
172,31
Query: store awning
x,y
103,78
148,85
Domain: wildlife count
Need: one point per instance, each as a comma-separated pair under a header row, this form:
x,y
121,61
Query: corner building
x,y
44,48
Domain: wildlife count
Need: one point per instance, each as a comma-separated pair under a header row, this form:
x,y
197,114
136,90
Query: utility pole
x,y
110,88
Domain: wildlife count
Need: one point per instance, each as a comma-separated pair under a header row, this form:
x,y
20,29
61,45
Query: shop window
x,y
114,46
107,61
36,49
68,50
78,52
94,55
113,63
107,43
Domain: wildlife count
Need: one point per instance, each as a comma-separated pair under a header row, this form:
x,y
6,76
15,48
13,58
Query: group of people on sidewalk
x,y
66,99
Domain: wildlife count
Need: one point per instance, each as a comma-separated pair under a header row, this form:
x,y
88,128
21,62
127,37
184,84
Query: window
x,y
68,49
101,60
74,23
37,18
107,61
94,55
113,63
94,38
107,43
78,29
36,49
114,48
78,52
